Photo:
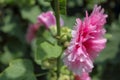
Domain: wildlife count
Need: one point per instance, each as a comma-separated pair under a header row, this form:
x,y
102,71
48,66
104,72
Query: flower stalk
x,y
57,15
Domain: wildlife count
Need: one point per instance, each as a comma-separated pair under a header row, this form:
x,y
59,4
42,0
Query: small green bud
x,y
48,63
65,34
53,30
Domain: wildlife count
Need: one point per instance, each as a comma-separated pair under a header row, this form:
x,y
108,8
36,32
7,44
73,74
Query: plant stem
x,y
57,14
41,74
58,67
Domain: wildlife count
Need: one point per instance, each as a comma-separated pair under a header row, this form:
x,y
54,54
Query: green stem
x,y
58,67
41,74
57,14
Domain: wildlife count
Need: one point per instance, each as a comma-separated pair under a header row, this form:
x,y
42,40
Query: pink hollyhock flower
x,y
47,19
31,32
87,42
94,40
84,76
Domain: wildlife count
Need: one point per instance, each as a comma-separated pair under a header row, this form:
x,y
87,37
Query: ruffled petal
x,y
87,42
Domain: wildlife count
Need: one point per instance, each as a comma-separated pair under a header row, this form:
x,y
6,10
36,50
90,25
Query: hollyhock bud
x,y
87,42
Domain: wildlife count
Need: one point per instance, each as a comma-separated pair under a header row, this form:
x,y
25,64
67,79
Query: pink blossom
x,y
76,57
47,19
94,40
87,42
84,76
31,32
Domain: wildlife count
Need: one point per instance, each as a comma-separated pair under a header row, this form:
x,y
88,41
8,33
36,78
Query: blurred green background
x,y
16,15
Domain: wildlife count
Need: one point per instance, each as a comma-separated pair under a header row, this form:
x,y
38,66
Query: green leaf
x,y
45,50
6,57
51,50
62,6
45,3
48,37
8,26
25,2
18,70
30,13
20,3
13,26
